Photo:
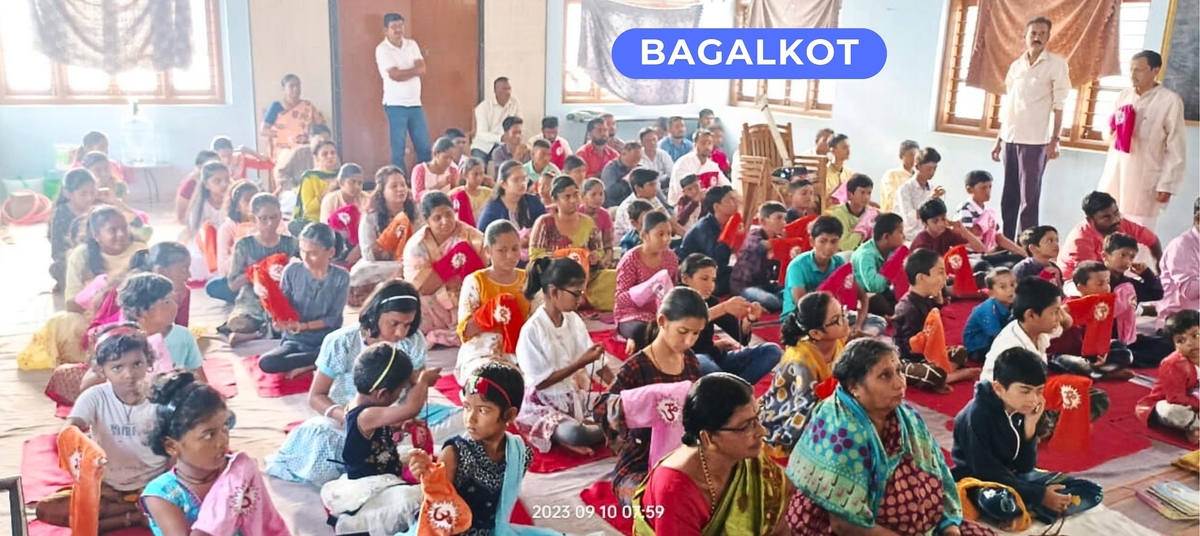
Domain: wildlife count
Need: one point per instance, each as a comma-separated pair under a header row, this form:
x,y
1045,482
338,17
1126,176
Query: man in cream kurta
x,y
490,114
1143,179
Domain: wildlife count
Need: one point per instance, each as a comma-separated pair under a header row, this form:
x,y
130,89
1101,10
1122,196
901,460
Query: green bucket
x,y
52,184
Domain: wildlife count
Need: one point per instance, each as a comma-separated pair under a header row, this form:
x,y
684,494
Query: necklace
x,y
198,481
712,493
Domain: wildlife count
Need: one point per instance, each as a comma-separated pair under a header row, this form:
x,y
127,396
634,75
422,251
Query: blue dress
x,y
168,487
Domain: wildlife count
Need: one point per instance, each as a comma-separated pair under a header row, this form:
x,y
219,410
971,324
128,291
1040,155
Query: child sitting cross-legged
x,y
1119,251
927,276
996,444
1172,402
981,221
1041,244
1090,278
383,375
988,318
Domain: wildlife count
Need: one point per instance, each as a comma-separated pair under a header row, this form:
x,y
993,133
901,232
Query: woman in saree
x,y
503,246
866,463
312,452
567,228
437,259
720,481
287,121
390,218
512,201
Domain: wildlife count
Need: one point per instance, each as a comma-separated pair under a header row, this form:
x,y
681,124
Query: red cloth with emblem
x,y
345,220
931,341
733,234
501,314
893,270
443,512
206,240
1070,395
1094,314
799,229
462,207
396,235
84,460
841,284
265,276
708,179
784,250
579,255
958,265
459,261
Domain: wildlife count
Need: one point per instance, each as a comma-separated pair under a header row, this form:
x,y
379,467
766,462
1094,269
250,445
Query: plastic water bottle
x,y
137,134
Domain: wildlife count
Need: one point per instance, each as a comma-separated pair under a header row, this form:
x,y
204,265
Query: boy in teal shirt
x,y
888,235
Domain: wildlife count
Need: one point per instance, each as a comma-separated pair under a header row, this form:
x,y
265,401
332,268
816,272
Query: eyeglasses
x,y
837,320
749,426
577,294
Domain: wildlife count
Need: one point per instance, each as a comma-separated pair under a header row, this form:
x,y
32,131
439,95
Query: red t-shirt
x,y
673,501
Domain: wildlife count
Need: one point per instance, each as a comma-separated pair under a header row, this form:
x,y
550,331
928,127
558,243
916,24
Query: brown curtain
x,y
794,13
1085,32
115,35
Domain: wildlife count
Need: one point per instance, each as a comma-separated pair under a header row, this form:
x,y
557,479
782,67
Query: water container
x,y
138,141
64,154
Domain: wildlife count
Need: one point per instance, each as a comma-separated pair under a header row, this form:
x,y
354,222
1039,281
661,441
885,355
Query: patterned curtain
x,y
115,35
603,21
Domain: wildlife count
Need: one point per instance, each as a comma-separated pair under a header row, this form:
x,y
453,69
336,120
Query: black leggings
x,y
288,356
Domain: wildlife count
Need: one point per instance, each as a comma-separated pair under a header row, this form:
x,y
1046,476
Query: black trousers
x,y
288,356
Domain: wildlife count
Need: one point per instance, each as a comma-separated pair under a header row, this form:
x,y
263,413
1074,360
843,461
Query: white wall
x,y
514,45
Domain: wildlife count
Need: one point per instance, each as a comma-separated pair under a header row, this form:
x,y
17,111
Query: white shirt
x,y
123,431
909,198
1034,92
405,56
689,164
661,162
544,348
1012,336
489,122
622,224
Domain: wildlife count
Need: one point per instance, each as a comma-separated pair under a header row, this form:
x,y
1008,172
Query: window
x,y
803,97
973,111
29,77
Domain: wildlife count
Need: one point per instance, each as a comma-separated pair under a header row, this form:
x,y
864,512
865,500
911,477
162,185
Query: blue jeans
x,y
767,299
404,122
751,363
218,288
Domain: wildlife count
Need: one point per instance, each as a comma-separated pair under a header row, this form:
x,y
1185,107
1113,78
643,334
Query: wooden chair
x,y
758,141
756,179
817,166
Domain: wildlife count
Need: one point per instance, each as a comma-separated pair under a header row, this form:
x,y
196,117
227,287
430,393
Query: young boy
x,y
888,235
1173,402
687,210
940,234
807,271
996,436
1119,251
1091,278
1041,245
801,192
636,210
927,276
909,151
856,207
752,274
988,318
981,222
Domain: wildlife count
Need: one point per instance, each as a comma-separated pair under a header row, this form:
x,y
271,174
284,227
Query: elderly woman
x,y
568,228
720,481
866,463
437,259
287,121
313,451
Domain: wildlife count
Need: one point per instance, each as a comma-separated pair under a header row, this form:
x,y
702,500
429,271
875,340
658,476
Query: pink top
x,y
228,235
239,503
630,272
424,180
1177,384
1125,314
659,407
683,506
1085,243
1122,122
1180,274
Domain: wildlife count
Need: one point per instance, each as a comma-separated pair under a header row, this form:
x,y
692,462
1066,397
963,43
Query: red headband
x,y
480,386
123,330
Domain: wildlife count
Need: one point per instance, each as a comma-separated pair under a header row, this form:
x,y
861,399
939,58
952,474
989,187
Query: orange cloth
x,y
931,341
207,241
1069,395
1094,314
265,275
444,512
579,255
396,235
732,234
784,250
958,265
84,460
502,314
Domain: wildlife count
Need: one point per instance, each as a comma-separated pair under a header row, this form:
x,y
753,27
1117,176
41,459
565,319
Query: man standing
x,y
488,128
1146,160
401,66
1037,84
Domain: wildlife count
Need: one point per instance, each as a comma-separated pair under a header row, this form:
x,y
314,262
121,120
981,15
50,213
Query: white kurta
x,y
1155,161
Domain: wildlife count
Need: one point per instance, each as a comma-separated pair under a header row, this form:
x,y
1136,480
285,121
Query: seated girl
x,y
121,357
209,490
437,259
1172,402
349,191
239,223
248,320
512,201
187,188
593,207
107,251
566,228
75,199
97,142
668,358
112,191
314,184
239,159
313,451
473,189
721,480
814,335
735,316
636,267
168,259
486,465
503,247
206,209
391,204
439,173
317,290
559,361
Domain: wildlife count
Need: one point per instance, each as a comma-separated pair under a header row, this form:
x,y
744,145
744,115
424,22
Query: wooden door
x,y
448,34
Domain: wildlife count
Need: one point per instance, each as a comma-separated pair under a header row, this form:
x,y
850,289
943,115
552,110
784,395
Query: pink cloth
x,y
651,291
424,180
1122,122
84,297
840,194
866,222
345,221
658,407
1085,243
986,223
1180,274
1126,304
162,361
631,271
239,502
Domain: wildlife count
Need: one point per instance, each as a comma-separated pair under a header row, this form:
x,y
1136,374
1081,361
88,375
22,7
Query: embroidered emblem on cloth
x,y
669,410
458,260
502,315
1101,311
849,281
1070,397
276,272
955,262
243,499
442,515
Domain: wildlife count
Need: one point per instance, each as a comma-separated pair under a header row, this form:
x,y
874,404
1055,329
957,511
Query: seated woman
x,y
314,184
312,452
503,247
512,201
248,320
75,199
316,289
668,358
721,480
239,222
439,173
814,335
288,120
908,489
735,316
392,209
592,206
206,208
437,259
559,361
637,266
566,228
473,190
